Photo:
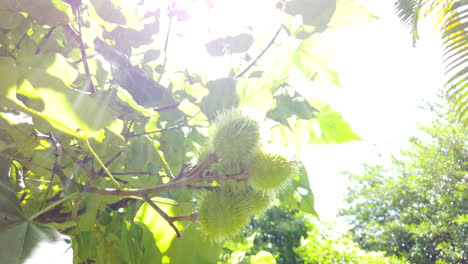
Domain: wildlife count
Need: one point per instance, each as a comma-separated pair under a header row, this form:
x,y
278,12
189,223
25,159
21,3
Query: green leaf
x,y
312,58
315,13
230,44
46,12
46,70
10,207
27,241
20,238
254,90
147,243
162,232
140,153
46,77
151,55
108,11
10,20
192,247
290,103
263,257
73,112
8,75
87,221
222,95
349,13
173,146
330,128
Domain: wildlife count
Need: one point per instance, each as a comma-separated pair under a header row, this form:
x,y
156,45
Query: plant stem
x,y
261,54
117,185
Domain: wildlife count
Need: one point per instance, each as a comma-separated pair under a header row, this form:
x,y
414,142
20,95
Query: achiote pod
x,y
270,172
224,212
236,137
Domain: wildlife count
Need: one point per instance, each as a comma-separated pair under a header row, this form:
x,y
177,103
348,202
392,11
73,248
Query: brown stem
x,y
190,217
179,184
166,108
164,129
51,30
261,54
17,45
101,171
166,43
83,53
163,215
155,131
195,187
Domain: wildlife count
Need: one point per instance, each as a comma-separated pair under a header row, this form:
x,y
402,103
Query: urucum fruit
x,y
224,212
270,172
236,137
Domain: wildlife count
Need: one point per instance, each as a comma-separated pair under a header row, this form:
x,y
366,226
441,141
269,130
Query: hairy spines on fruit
x,y
224,212
236,137
270,172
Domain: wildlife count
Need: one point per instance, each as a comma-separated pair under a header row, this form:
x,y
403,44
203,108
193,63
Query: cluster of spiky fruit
x,y
235,141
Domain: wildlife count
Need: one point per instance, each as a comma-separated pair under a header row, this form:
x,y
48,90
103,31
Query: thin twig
x,y
180,184
166,108
163,215
166,43
156,131
165,129
103,166
58,159
83,53
52,174
17,45
101,171
51,30
196,187
80,163
261,54
190,217
134,173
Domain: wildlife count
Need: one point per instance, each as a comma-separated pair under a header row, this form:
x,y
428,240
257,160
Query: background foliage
x,y
416,206
103,102
293,237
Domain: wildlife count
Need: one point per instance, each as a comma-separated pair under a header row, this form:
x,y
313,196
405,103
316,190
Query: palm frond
x,y
451,18
455,39
408,12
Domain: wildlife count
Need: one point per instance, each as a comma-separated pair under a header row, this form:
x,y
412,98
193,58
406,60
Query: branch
x,y
17,45
155,131
261,54
51,30
179,184
166,108
101,171
166,43
164,129
79,37
190,217
163,215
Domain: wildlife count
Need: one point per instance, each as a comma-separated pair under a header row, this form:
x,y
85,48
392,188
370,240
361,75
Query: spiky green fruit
x,y
236,137
260,201
270,172
224,212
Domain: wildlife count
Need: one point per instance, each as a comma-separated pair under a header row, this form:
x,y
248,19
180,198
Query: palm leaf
x,y
451,18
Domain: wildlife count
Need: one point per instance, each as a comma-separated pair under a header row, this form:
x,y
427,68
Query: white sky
x,y
384,81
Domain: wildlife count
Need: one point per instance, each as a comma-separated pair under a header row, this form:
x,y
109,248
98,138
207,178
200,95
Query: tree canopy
x,y
416,207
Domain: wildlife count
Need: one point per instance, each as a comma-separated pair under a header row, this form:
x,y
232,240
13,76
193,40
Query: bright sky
x,y
384,81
